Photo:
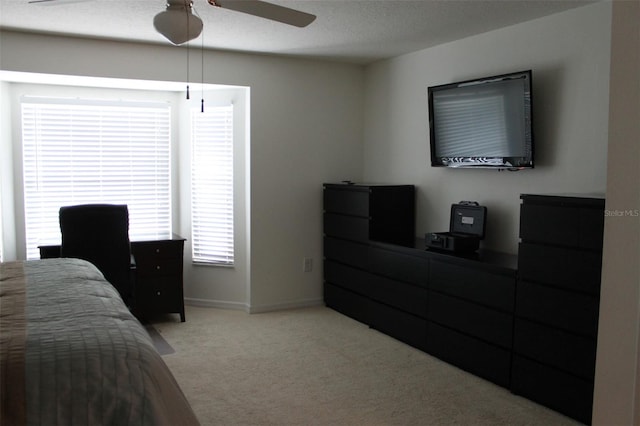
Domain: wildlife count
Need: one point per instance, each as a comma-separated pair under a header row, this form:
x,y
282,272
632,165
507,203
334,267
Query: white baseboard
x,y
221,304
286,305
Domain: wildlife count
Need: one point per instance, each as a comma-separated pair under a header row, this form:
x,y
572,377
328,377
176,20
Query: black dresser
x,y
527,322
159,271
382,288
370,212
558,296
458,308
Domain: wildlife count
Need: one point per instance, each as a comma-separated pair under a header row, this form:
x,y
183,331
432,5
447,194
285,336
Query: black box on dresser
x,y
467,226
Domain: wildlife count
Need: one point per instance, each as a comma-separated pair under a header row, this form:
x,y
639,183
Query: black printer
x,y
466,229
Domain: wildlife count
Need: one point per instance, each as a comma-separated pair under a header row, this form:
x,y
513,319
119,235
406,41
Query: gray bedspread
x,y
73,354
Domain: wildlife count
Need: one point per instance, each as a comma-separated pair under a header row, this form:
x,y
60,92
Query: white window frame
x,y
212,185
109,181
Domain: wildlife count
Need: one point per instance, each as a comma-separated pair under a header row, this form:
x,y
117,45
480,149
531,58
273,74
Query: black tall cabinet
x,y
370,212
557,302
385,289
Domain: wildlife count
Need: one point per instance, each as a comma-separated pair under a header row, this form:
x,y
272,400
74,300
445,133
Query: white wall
x,y
569,56
617,390
574,64
7,212
306,128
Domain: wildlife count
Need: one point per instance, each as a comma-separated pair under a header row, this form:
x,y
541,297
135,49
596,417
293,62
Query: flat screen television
x,y
482,123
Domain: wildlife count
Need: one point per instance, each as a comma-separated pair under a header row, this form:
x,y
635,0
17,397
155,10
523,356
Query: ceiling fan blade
x,y
55,2
267,10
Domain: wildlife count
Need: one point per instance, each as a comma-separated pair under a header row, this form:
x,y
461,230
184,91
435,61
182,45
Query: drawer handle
x,y
157,267
158,293
157,250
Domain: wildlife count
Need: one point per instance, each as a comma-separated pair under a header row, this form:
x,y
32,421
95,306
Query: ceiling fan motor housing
x,y
178,23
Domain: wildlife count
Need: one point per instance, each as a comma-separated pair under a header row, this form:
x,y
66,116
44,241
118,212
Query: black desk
x,y
158,286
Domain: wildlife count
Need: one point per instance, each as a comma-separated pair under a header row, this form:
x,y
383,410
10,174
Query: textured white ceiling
x,y
358,31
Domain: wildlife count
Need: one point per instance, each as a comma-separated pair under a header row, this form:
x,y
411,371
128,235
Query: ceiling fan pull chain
x,y
201,71
187,14
188,71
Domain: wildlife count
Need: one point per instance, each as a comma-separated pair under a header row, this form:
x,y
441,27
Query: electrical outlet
x,y
307,264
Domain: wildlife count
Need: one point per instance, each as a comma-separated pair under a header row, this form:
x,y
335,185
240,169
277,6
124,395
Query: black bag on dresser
x,y
466,229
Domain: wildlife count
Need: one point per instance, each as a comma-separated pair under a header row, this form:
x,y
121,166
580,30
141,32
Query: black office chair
x,y
99,233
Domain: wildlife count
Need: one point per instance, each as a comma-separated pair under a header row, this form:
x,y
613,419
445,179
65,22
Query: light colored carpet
x,y
315,366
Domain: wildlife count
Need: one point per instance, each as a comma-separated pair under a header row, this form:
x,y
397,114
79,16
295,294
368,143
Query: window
x,y
212,185
83,151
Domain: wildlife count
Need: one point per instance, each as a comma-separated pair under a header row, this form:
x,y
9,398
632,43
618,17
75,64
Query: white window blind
x,y
212,185
79,152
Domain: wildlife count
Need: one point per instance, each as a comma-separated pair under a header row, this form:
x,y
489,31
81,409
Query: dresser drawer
x,y
553,388
470,354
159,266
557,348
159,288
159,295
158,258
562,225
478,321
347,302
570,311
567,268
474,284
407,297
347,277
398,266
352,201
400,325
160,249
348,227
348,252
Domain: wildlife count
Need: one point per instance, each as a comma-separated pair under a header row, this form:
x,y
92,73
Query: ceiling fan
x,y
179,24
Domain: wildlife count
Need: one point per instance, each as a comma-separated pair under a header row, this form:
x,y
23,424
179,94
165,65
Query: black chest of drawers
x,y
159,286
458,308
558,294
378,287
370,212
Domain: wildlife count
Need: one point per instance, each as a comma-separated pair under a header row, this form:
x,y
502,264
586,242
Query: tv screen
x,y
482,123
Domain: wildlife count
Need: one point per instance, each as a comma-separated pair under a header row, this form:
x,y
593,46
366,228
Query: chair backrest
x,y
99,233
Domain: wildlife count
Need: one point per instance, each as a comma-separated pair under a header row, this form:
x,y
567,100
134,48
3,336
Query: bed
x,y
72,354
